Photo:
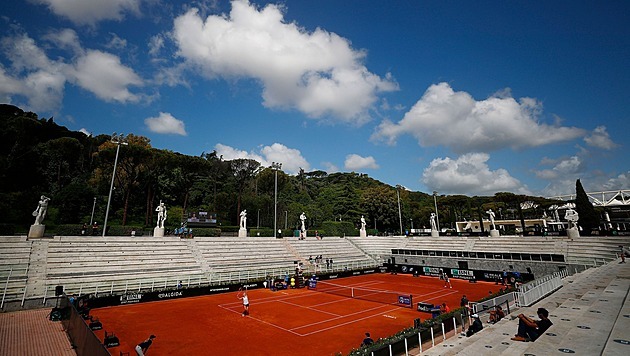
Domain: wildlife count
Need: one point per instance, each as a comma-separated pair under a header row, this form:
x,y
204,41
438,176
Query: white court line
x,y
346,323
341,316
307,307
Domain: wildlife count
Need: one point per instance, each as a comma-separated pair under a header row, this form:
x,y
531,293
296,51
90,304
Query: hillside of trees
x,y
37,157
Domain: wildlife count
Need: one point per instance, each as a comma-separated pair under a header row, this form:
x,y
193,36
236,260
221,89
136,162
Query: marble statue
x,y
362,223
244,219
572,217
433,223
491,215
42,208
303,219
161,217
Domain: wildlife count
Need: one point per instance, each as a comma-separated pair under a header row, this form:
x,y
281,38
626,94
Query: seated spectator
x,y
444,308
367,341
496,314
529,329
475,327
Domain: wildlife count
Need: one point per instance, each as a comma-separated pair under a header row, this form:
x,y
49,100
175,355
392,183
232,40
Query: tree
x,y
243,170
588,217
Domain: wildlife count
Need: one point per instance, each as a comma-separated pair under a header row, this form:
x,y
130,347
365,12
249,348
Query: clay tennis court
x,y
286,322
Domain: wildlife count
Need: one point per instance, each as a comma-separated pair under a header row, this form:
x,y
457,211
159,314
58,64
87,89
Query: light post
x,y
93,207
437,215
286,218
275,166
411,219
399,211
258,219
118,140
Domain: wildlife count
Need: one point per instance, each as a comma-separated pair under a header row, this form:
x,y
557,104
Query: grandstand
x,y
31,269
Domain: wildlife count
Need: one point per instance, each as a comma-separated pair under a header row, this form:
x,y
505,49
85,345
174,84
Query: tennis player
x,y
245,300
447,282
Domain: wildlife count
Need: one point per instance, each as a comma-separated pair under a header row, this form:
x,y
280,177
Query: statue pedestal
x,y
242,232
362,233
36,231
158,232
494,233
435,233
573,233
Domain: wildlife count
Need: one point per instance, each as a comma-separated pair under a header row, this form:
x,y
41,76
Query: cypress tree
x,y
589,218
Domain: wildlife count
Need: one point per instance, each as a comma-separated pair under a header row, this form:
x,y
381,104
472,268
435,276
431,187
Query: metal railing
x,y
123,286
534,291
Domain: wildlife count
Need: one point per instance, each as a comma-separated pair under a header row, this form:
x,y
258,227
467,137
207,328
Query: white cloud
x,y
156,43
165,123
456,120
104,75
567,167
469,174
32,75
354,162
116,42
330,167
90,12
317,73
290,158
619,182
599,138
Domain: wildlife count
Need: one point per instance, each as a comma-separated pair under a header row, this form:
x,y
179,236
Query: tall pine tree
x,y
589,218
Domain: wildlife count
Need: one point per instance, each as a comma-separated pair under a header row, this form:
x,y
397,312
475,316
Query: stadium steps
x,y
360,248
591,299
194,250
38,263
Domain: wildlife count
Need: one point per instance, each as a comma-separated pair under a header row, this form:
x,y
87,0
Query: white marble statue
x,y
161,218
433,223
491,215
303,219
42,208
244,219
572,217
362,223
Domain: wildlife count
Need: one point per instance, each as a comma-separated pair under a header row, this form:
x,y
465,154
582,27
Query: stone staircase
x,y
589,314
194,250
36,277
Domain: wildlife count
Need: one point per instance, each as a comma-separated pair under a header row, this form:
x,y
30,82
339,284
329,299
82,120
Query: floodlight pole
x,y
437,215
118,140
275,166
93,207
399,210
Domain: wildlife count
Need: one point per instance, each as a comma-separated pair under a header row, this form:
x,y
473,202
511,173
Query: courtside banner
x,y
466,274
152,296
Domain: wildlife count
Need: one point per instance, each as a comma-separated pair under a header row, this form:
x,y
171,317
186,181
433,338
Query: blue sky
x,y
459,97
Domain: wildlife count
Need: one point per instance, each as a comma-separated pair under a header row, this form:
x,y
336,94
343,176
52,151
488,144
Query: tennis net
x,y
373,295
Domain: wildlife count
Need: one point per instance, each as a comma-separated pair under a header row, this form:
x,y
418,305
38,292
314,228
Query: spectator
x,y
529,329
142,347
496,315
464,304
444,308
179,285
368,340
475,327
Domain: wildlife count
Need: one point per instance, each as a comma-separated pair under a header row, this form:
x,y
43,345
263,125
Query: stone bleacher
x,y
225,254
589,314
340,250
79,263
378,247
14,263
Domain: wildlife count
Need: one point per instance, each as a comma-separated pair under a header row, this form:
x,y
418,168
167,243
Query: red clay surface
x,y
288,322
